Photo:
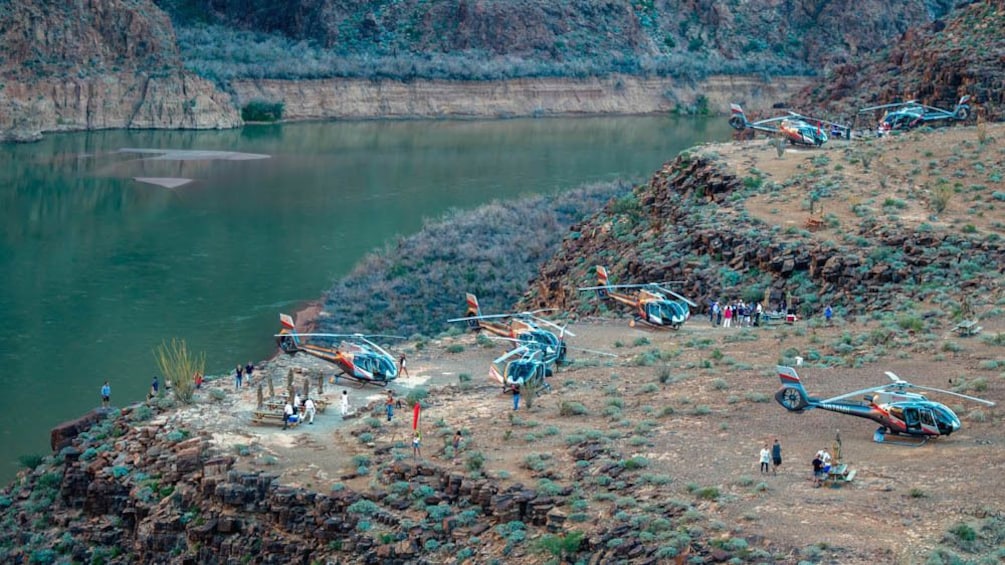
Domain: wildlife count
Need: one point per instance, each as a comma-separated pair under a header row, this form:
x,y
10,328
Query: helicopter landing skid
x,y
907,441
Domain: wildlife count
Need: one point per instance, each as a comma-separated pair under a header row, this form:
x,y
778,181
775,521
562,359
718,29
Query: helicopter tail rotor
x,y
792,395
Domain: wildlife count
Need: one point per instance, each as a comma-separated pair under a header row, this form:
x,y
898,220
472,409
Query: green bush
x,y
262,111
571,409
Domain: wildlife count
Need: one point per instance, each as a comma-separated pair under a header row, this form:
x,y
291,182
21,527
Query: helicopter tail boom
x,y
792,395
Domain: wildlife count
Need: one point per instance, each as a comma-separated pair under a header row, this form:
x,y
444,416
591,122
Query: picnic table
x,y
967,328
840,474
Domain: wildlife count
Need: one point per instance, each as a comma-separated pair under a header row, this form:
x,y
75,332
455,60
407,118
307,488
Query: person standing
x,y
818,466
727,316
416,445
155,387
776,456
197,378
309,410
248,369
402,368
106,394
389,405
516,397
345,402
456,445
238,376
765,459
287,413
828,314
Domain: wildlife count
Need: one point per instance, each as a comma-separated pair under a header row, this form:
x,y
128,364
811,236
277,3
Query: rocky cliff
x,y
695,222
620,94
936,64
97,65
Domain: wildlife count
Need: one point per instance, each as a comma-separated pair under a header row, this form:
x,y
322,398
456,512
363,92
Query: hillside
x,y
649,457
98,65
199,64
912,218
936,64
464,40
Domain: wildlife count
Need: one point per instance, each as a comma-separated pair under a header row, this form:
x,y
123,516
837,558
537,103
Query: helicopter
x,y
357,357
796,128
894,407
520,327
652,307
522,366
911,114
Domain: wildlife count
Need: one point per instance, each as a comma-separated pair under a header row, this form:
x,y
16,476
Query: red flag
x,y
415,416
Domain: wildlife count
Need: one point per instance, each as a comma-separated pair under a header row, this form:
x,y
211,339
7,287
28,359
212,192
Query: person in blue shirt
x,y
828,314
106,394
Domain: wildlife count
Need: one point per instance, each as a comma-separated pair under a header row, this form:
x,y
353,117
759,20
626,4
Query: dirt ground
x,y
698,403
720,388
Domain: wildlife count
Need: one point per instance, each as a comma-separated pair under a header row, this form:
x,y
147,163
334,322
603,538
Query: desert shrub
x,y
30,461
475,461
569,408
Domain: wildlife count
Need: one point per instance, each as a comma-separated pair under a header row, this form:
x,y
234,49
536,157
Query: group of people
x,y
241,373
821,467
772,456
770,460
299,410
737,314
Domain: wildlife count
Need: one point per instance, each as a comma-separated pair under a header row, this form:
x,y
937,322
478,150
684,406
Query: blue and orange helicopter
x,y
912,114
522,328
897,410
356,356
522,366
652,302
795,128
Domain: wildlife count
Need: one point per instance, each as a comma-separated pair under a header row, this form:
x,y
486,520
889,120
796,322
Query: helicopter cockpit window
x,y
519,371
926,417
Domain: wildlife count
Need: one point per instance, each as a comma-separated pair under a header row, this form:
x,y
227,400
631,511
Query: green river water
x,y
98,268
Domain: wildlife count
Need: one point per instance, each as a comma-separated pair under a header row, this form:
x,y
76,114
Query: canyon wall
x,y
357,99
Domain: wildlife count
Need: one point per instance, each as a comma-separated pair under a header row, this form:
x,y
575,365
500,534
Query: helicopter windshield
x,y
519,371
377,365
668,312
542,338
945,419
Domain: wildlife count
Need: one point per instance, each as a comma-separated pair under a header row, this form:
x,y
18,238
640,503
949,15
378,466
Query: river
x,y
99,268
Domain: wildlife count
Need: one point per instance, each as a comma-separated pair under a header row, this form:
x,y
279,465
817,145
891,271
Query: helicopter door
x,y
653,313
911,418
928,421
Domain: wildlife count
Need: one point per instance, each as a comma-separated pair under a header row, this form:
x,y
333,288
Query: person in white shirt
x,y
287,414
345,402
765,459
309,410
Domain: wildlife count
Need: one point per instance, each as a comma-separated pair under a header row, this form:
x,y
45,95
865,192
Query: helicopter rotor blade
x,y
672,293
594,351
966,396
517,351
486,317
853,394
554,325
895,378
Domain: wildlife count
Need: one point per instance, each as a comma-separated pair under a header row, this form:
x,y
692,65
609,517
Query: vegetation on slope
x,y
500,39
927,235
415,284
